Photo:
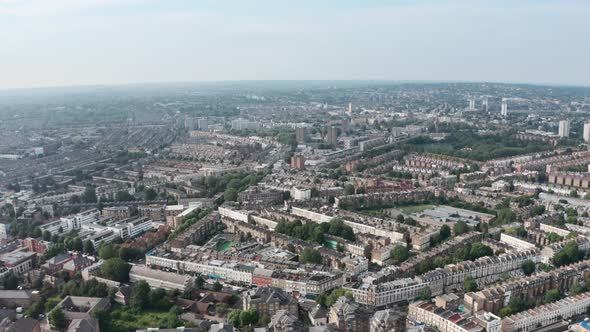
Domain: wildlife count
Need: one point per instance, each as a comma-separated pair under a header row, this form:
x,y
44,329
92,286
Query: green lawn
x,y
224,246
415,208
125,319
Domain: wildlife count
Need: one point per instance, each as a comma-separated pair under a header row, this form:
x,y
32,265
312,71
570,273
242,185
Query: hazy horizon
x,y
70,43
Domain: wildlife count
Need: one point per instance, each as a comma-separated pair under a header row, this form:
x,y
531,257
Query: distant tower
x,y
484,104
301,135
564,128
332,135
472,104
350,109
587,131
504,111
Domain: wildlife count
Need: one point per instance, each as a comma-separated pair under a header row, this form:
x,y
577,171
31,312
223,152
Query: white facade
x,y
587,131
387,293
300,194
233,214
564,128
515,242
504,111
547,314
71,223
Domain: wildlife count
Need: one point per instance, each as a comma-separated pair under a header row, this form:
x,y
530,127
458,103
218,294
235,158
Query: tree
x,y
150,194
577,289
234,318
425,294
249,317
78,244
505,216
445,232
569,254
309,255
399,254
130,254
115,269
51,303
538,210
47,236
478,250
349,189
400,218
328,300
221,309
123,196
10,281
37,233
504,312
517,304
75,199
469,285
89,195
528,267
88,247
199,282
217,287
140,295
552,295
57,319
107,251
460,227
554,237
230,195
104,319
172,320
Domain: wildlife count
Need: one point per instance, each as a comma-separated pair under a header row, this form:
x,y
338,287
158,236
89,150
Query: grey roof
x,y
271,295
23,325
84,325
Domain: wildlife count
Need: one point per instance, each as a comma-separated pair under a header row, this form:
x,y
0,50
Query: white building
x,y
564,128
300,194
71,223
547,314
504,111
370,292
515,242
587,131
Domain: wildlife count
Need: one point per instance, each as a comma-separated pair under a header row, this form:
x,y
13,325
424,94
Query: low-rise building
x,y
547,314
19,262
269,300
160,279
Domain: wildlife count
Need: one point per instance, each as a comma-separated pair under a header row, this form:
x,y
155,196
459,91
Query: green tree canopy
x,y
115,269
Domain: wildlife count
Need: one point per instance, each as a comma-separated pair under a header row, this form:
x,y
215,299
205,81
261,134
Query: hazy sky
x,y
73,42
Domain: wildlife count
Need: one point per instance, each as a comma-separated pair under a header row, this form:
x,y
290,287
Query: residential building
x,y
19,262
375,292
564,128
547,314
116,212
388,320
349,316
80,307
270,300
587,131
298,162
153,212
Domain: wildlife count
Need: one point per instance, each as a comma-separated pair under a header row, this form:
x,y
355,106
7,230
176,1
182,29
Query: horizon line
x,y
223,81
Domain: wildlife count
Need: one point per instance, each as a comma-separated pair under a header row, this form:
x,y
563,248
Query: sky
x,y
46,43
